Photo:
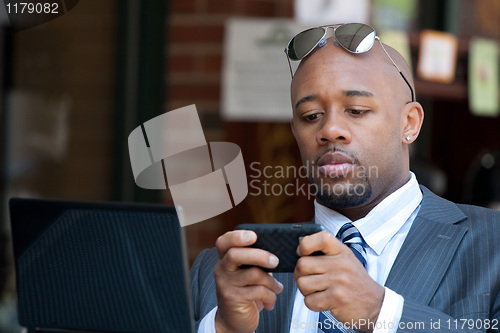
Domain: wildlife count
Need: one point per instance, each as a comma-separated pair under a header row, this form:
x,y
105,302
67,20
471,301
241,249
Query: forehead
x,y
331,67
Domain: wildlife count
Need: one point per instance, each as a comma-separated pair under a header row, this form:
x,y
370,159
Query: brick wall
x,y
194,60
194,53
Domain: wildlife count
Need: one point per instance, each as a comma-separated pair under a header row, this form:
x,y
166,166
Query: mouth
x,y
335,164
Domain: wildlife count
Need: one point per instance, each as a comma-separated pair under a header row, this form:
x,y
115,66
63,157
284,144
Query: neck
x,y
356,213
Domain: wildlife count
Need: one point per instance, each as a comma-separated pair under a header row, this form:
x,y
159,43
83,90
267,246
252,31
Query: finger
x,y
337,265
260,295
310,284
235,238
319,301
252,276
239,256
264,296
313,265
322,241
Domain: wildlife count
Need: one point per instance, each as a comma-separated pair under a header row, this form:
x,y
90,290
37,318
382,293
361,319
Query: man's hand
x,y
336,281
243,293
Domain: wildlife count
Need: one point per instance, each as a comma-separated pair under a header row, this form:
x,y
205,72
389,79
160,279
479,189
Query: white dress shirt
x,y
384,230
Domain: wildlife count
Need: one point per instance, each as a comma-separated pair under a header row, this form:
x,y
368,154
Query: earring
x,y
407,138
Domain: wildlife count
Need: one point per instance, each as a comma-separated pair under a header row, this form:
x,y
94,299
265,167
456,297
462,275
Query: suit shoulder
x,y
480,213
482,220
439,209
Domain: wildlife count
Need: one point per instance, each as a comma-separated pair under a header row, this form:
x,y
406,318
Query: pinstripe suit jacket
x,y
448,268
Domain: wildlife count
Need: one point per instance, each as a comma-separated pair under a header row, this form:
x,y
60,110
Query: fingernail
x,y
280,286
247,236
273,260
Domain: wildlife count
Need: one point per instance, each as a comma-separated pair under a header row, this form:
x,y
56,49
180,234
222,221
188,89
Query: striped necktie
x,y
351,237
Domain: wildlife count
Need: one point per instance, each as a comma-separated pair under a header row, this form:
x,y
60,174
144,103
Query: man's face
x,y
347,120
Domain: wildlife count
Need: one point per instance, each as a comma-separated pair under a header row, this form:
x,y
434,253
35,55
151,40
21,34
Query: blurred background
x,y
73,88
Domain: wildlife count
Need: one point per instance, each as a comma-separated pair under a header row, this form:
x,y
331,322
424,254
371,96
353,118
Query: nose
x,y
334,129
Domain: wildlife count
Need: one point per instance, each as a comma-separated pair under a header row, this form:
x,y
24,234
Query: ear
x,y
292,127
412,119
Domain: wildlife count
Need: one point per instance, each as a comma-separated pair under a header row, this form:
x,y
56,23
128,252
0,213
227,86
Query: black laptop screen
x,y
100,267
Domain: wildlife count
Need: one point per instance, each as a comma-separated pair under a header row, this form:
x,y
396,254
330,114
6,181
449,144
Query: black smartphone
x,y
282,240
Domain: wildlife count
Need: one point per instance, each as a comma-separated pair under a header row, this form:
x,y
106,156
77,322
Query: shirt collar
x,y
383,221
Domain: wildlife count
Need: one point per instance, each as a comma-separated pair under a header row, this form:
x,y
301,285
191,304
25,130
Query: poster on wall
x,y
437,57
483,77
256,75
322,12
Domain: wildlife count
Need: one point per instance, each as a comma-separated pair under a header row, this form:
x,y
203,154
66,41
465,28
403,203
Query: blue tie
x,y
351,237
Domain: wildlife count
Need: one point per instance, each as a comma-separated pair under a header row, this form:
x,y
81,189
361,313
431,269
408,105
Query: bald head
x,y
374,64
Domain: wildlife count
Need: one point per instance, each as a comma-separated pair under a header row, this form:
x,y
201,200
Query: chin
x,y
343,194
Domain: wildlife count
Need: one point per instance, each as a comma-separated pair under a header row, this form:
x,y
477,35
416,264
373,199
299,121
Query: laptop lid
x,y
98,266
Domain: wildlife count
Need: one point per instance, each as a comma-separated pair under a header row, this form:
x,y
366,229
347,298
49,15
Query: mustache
x,y
336,150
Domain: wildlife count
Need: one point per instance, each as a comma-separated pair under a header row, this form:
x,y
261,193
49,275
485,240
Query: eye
x,y
356,112
310,117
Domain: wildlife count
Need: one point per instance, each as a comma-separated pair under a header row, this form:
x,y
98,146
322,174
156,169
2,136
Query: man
x,y
431,265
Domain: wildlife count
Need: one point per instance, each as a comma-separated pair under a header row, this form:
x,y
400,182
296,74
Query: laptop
x,y
100,267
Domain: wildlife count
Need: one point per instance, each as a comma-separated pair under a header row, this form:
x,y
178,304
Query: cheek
x,y
389,130
387,157
379,148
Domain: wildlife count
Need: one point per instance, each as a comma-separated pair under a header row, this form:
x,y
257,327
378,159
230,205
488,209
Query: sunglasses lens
x,y
304,42
355,37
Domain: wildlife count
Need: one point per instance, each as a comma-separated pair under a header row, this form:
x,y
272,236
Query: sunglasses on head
x,y
353,37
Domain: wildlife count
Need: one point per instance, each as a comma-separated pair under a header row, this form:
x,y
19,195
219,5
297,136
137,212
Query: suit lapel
x,y
428,249
278,320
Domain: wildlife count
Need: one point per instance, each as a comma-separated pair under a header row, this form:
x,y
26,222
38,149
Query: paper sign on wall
x,y
321,12
256,76
483,77
437,57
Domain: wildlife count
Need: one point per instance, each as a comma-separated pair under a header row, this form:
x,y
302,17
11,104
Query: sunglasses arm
x,y
399,70
409,86
289,64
